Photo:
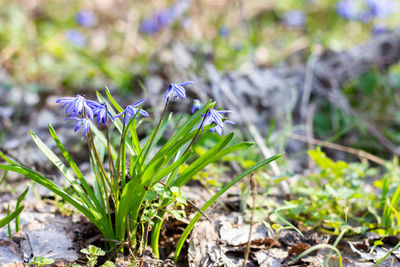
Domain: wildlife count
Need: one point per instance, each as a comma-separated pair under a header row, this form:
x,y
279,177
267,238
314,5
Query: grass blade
x,y
6,220
198,215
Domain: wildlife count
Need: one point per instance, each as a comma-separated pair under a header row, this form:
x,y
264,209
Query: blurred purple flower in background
x,y
294,18
85,18
224,31
159,20
349,9
165,17
179,8
366,10
76,38
381,8
379,29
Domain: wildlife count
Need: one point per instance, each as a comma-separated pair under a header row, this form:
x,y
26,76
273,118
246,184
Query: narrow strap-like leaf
x,y
63,169
75,168
203,159
198,215
6,220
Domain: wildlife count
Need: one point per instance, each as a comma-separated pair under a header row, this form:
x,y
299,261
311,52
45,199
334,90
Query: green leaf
x,y
97,201
63,169
19,200
215,197
92,215
6,220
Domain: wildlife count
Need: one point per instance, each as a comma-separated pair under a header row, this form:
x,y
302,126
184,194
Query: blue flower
x,y
381,8
196,105
224,31
81,123
164,17
155,23
294,18
75,37
214,117
132,110
176,90
179,8
85,18
379,29
101,112
76,105
349,9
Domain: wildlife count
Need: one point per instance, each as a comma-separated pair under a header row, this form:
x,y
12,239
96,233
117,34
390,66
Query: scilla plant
x,y
136,180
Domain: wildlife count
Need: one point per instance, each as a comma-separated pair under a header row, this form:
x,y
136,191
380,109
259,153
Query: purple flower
x,y
101,112
81,123
196,105
294,18
156,22
85,18
75,37
379,29
131,110
76,105
179,8
349,9
224,31
164,17
214,117
381,8
176,90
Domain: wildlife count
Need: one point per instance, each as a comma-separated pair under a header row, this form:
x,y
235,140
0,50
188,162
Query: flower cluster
x,y
83,110
212,117
365,10
164,18
86,19
88,110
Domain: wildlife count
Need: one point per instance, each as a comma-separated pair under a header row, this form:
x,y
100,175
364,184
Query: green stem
x,y
308,251
110,160
155,132
390,252
116,177
335,244
197,133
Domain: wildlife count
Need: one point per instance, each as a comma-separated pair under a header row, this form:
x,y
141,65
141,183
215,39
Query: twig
x,y
254,195
360,153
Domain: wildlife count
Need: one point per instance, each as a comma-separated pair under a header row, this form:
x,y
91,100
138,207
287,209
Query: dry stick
x,y
360,153
253,194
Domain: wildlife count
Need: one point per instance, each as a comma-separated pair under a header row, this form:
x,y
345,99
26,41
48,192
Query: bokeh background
x,y
68,45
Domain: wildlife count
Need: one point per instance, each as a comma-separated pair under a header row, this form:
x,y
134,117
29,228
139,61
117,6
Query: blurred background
x,y
67,45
